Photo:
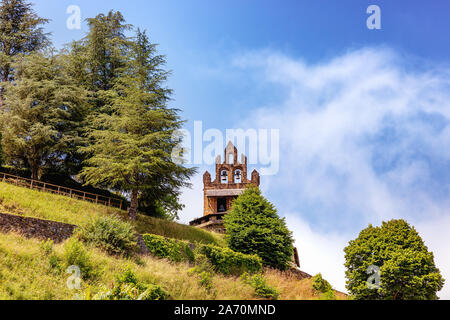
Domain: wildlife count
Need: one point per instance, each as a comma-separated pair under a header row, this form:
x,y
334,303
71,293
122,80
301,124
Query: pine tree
x,y
132,149
254,227
42,113
100,58
20,33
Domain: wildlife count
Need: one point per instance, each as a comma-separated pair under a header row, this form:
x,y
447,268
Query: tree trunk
x,y
35,172
132,210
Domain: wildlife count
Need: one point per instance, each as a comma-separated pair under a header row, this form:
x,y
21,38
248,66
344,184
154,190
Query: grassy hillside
x,y
28,270
31,203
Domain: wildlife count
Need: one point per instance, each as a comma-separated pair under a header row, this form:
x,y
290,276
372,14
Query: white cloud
x,y
364,137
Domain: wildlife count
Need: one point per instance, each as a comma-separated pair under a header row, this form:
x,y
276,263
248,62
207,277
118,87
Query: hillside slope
x,y
32,203
31,269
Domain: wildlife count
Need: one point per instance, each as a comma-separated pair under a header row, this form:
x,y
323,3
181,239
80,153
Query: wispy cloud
x,y
364,137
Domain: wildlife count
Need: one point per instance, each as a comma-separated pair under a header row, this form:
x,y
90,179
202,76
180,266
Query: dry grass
x,y
291,288
27,272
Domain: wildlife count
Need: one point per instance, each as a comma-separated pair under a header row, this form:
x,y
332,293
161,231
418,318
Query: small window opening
x,y
221,205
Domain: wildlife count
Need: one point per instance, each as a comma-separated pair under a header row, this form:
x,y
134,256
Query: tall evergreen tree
x,y
21,32
131,145
132,149
42,113
254,227
100,58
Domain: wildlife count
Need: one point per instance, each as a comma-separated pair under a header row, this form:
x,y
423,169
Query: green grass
x,y
30,271
32,203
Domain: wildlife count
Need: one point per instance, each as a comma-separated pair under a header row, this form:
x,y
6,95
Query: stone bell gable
x,y
230,180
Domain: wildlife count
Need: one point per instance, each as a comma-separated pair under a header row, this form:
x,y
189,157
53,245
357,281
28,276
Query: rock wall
x,y
36,228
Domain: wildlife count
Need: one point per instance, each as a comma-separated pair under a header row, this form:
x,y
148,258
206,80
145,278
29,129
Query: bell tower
x,y
229,182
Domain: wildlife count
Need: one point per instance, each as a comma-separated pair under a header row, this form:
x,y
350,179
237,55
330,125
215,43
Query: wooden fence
x,y
64,191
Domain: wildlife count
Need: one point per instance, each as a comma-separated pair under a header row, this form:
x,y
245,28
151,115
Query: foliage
x,y
203,269
20,33
32,203
128,287
129,292
131,129
323,287
229,262
110,234
262,289
407,268
76,254
42,115
171,249
38,281
254,227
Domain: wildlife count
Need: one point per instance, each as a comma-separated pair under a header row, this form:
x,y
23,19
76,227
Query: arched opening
x,y
238,176
224,176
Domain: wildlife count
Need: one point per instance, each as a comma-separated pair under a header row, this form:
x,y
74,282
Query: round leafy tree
x,y
254,227
391,262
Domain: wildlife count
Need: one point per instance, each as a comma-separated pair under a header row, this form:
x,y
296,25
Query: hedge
x,y
224,260
228,262
174,250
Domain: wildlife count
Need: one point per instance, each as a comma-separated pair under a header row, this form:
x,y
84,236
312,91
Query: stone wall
x,y
36,228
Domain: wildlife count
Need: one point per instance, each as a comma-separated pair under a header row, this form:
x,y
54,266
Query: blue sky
x,y
364,115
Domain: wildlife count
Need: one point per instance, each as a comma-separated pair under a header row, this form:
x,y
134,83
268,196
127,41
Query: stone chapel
x,y
229,182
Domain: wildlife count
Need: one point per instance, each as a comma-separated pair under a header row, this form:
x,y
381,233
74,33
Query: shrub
x,y
130,292
128,287
320,284
323,287
110,234
227,261
254,227
204,270
262,289
171,249
75,254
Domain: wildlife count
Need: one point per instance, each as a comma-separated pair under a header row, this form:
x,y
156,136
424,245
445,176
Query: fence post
x,y
120,204
96,199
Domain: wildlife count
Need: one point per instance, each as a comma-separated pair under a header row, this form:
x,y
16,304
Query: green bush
x,y
130,292
262,289
254,227
171,249
128,287
323,287
111,234
227,261
75,254
203,269
320,284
